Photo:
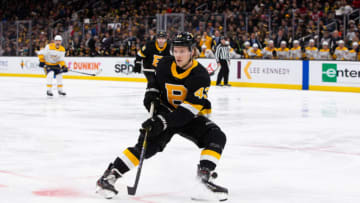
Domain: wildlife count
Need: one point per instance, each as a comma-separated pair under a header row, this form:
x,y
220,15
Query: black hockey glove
x,y
137,68
42,64
64,69
155,125
152,95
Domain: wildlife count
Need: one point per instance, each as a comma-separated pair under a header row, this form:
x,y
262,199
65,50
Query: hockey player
x,y
206,53
311,51
246,49
254,52
354,54
295,52
52,59
324,53
182,84
283,51
341,51
151,54
268,51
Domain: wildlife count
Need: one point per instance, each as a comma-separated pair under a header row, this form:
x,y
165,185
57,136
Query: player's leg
x,y
59,80
49,78
208,136
128,160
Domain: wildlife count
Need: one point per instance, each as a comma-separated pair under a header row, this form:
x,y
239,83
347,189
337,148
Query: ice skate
x,y
205,176
49,93
62,93
105,186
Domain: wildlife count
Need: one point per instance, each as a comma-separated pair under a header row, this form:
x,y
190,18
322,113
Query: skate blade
x,y
202,193
108,194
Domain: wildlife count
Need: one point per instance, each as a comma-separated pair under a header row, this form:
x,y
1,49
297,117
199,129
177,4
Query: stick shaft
x,y
132,190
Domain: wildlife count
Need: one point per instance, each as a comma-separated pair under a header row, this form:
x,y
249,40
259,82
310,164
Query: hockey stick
x,y
132,190
91,74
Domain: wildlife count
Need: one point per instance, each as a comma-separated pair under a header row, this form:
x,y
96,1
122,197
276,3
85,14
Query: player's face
x,y
182,55
161,41
57,43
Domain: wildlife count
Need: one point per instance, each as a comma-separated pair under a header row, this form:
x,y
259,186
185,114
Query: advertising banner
x,y
334,73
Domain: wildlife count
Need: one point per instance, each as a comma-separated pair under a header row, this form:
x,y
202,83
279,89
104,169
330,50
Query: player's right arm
x,y
139,57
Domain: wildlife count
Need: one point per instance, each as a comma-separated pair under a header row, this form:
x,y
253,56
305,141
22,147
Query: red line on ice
x,y
57,193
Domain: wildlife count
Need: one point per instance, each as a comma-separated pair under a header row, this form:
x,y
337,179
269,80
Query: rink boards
x,y
284,74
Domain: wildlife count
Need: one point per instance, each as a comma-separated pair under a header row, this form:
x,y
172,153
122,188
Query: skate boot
x,y
62,93
206,177
49,93
105,186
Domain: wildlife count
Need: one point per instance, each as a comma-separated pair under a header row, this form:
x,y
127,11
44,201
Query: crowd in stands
x,y
254,28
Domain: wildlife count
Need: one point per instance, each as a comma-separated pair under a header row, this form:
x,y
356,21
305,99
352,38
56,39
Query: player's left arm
x,y
61,62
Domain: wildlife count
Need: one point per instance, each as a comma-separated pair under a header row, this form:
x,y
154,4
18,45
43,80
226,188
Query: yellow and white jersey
x,y
311,53
233,54
353,55
296,53
254,54
50,55
324,54
267,52
340,53
283,53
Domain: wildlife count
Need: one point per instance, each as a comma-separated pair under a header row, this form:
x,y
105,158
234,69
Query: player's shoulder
x,y
199,71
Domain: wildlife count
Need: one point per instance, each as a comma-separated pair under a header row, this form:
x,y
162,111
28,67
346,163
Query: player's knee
x,y
216,139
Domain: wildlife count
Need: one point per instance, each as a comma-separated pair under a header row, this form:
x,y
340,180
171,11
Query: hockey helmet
x,y
183,39
58,38
161,34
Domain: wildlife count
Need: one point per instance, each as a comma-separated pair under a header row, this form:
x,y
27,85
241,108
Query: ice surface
x,y
282,145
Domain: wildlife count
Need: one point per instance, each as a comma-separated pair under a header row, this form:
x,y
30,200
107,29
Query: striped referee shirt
x,y
222,53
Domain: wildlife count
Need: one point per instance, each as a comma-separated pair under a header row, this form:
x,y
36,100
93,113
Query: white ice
x,y
283,146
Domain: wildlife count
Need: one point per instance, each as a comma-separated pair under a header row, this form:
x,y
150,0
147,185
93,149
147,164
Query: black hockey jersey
x,y
151,54
184,91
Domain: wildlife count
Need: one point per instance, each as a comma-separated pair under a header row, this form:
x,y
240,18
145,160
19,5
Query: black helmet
x,y
183,39
161,34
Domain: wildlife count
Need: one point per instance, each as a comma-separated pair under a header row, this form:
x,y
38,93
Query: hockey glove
x,y
152,95
155,125
64,69
42,64
137,68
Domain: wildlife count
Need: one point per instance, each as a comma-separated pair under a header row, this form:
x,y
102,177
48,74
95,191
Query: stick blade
x,y
131,190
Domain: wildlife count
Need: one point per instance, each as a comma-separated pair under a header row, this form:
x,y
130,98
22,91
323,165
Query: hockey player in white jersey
x,y
52,59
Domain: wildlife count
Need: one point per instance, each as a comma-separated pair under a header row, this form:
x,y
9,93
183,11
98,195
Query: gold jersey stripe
x,y
184,74
48,85
160,49
205,112
131,157
60,85
211,153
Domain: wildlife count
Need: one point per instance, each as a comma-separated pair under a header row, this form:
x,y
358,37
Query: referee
x,y
222,55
